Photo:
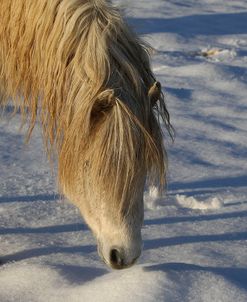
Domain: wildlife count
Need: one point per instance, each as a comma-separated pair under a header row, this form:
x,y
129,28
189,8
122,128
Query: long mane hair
x,y
79,70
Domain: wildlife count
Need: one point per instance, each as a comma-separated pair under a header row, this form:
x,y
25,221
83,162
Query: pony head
x,y
87,77
121,151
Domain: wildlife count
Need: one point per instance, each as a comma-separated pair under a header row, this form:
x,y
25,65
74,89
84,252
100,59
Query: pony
x,y
76,68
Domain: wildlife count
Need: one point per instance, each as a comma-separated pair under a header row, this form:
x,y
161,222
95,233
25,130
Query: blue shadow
x,y
79,274
31,198
181,240
212,217
231,181
44,251
208,24
66,228
236,275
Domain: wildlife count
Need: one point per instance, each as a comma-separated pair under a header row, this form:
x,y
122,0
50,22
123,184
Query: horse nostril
x,y
116,259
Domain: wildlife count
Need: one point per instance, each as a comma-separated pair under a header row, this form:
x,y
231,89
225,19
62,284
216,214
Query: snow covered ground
x,y
195,238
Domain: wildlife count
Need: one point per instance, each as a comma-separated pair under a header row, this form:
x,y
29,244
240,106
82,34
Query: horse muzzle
x,y
119,258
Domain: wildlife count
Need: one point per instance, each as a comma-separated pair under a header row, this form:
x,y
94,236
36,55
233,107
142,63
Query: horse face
x,y
110,177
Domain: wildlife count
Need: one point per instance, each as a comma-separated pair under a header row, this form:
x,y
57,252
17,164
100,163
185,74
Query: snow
x,y
195,237
193,203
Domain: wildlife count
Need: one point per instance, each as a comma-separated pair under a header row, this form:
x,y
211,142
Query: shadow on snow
x,y
235,181
44,251
66,228
180,240
38,197
199,218
235,275
78,274
208,24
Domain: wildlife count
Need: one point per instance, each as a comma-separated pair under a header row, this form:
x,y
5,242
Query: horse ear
x,y
154,93
102,106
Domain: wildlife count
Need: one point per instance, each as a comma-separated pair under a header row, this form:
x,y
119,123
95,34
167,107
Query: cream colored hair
x,y
79,70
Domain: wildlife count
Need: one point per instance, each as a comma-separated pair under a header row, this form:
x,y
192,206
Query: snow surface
x,y
195,238
193,203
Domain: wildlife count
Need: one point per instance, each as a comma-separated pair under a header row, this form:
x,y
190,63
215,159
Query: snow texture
x,y
193,203
195,238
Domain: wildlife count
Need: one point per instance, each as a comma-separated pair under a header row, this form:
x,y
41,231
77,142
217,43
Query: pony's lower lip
x,y
124,266
117,267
